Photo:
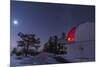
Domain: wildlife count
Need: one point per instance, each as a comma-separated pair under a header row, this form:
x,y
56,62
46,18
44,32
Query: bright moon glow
x,y
15,22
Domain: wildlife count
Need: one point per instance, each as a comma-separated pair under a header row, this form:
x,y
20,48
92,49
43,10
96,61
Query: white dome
x,y
85,32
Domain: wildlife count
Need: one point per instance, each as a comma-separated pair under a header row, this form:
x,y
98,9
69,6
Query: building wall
x,y
84,45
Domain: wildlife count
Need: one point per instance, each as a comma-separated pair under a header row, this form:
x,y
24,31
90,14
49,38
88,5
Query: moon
x,y
15,22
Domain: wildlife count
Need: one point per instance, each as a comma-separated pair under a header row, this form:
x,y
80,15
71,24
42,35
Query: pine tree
x,y
51,45
55,46
13,51
27,41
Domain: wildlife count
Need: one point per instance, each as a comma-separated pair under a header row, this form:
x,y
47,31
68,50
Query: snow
x,y
43,58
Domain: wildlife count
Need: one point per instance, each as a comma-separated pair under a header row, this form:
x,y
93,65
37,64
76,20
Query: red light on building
x,y
71,35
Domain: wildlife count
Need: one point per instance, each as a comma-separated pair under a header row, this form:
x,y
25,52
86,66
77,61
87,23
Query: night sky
x,y
45,19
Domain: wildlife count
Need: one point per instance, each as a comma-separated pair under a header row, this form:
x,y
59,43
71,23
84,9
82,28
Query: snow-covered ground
x,y
43,58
